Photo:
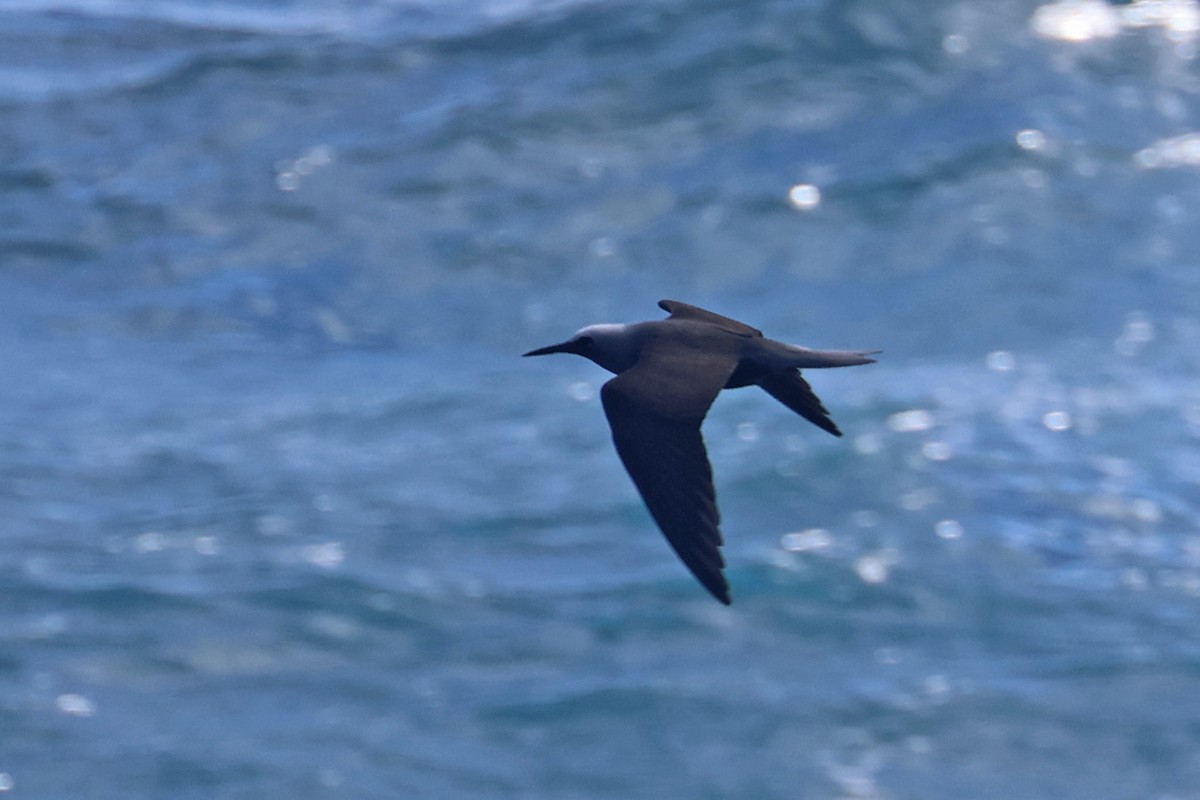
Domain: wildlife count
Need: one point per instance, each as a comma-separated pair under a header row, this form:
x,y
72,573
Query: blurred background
x,y
283,513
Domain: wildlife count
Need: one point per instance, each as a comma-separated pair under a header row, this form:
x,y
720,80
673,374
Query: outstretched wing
x,y
655,409
679,310
789,388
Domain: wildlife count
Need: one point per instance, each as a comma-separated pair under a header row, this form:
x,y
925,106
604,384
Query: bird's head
x,y
611,346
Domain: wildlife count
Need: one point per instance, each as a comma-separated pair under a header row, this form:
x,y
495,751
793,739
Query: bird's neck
x,y
616,346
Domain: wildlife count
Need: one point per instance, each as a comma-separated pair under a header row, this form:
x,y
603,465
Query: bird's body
x,y
668,374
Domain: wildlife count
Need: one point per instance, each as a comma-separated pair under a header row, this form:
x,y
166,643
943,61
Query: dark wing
x,y
793,391
655,410
679,310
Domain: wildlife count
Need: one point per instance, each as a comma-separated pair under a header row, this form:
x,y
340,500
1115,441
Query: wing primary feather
x,y
793,391
668,463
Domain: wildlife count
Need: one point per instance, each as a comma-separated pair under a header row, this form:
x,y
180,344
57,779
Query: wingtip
x,y
721,593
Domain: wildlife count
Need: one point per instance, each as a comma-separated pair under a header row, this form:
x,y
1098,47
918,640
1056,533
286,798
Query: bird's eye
x,y
585,341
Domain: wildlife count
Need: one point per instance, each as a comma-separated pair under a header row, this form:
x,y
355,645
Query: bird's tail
x,y
804,358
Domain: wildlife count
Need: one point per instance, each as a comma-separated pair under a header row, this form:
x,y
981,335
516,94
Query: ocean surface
x,y
284,514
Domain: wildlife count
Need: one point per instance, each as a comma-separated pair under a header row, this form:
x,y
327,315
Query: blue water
x,y
285,515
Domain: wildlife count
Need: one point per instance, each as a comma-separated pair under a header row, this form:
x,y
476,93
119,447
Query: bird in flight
x,y
668,373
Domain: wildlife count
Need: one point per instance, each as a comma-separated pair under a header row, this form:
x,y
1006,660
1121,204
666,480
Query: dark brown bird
x,y
669,372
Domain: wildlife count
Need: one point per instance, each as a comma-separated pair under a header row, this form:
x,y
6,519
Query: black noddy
x,y
668,374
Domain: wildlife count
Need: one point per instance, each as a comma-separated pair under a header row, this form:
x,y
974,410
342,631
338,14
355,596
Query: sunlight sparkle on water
x,y
150,542
937,688
1057,421
1143,509
1176,151
937,451
949,529
75,705
1001,361
326,555
874,567
918,499
911,421
804,196
1086,20
1076,21
1031,139
955,44
1138,332
811,539
289,173
1179,18
747,432
868,444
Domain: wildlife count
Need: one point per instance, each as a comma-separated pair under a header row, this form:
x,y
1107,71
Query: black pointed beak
x,y
564,347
